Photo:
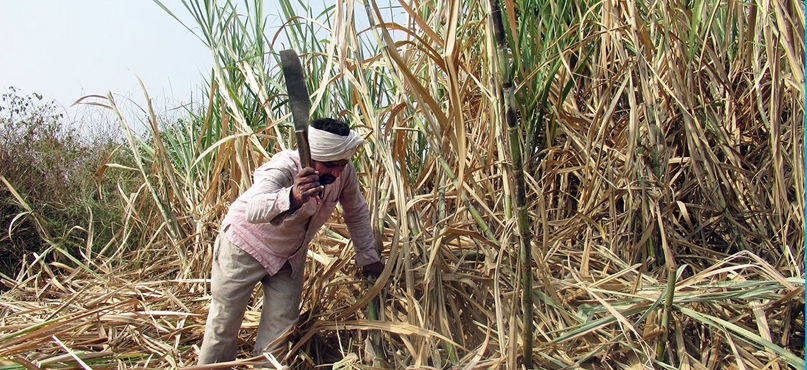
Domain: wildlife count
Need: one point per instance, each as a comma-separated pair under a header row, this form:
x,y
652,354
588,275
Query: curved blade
x,y
298,100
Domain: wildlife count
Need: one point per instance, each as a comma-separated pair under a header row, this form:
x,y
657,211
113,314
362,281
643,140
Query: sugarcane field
x,y
448,184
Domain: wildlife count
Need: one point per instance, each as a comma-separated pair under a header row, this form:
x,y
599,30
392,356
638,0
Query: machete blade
x,y
298,100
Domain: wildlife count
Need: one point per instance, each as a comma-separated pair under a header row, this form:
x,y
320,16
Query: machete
x,y
299,101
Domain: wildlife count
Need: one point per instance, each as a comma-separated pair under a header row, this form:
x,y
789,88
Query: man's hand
x,y
306,185
373,270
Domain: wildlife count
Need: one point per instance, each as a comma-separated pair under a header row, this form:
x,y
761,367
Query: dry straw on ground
x,y
663,149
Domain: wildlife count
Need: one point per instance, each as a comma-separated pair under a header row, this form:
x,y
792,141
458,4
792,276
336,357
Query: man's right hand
x,y
306,185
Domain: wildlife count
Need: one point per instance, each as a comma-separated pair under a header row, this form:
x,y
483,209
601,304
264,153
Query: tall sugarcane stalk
x,y
507,99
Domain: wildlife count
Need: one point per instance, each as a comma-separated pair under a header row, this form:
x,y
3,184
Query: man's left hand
x,y
373,270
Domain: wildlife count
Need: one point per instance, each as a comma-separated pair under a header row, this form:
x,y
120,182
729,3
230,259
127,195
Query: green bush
x,y
52,165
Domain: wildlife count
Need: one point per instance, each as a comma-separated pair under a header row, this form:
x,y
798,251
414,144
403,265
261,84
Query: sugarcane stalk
x,y
672,267
507,98
373,308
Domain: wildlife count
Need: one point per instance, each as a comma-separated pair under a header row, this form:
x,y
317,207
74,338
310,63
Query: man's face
x,y
329,171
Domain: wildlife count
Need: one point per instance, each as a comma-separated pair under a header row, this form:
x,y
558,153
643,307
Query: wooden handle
x,y
303,149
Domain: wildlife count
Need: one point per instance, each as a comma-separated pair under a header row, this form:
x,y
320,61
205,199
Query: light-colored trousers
x,y
233,279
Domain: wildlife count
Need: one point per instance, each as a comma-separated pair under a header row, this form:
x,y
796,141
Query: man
x,y
265,235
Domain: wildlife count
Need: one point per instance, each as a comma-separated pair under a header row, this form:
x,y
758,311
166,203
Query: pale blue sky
x,y
64,49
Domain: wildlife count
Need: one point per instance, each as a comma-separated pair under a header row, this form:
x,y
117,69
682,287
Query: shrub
x,y
51,163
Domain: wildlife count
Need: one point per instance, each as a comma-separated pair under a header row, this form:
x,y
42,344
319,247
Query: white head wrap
x,y
329,147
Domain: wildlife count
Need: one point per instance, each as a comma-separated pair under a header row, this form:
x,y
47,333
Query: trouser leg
x,y
281,308
233,278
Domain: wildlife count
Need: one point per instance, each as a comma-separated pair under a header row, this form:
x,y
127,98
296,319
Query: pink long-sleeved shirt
x,y
254,222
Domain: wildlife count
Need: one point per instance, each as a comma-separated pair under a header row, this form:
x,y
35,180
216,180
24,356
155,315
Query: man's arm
x,y
268,197
279,191
357,218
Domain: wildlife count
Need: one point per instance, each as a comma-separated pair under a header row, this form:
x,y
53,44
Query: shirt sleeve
x,y
268,197
357,219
